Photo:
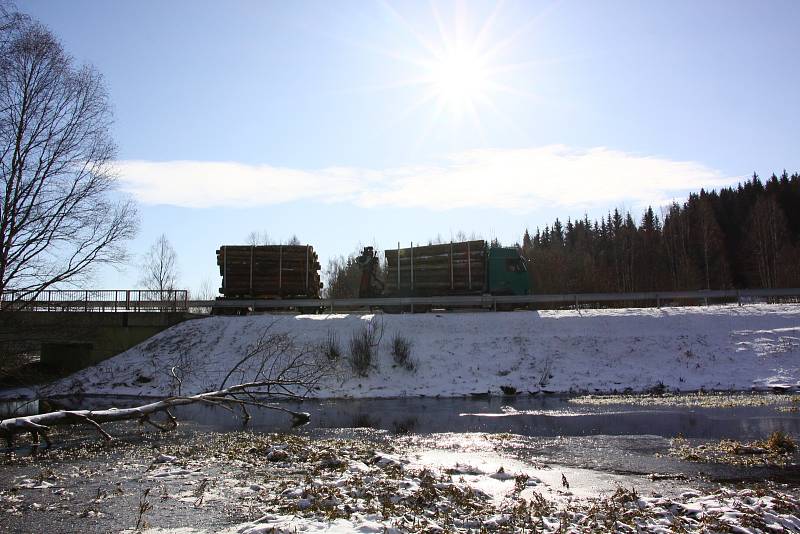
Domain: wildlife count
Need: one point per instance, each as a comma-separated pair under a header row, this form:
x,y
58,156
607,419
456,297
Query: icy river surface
x,y
563,450
542,416
526,416
629,435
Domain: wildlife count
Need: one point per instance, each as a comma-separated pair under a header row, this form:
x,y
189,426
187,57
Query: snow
x,y
591,502
455,354
473,459
452,487
287,524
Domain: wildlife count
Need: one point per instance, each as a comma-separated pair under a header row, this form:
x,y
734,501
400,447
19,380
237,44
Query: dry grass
x,y
362,345
793,407
401,352
318,474
694,400
780,443
777,450
331,347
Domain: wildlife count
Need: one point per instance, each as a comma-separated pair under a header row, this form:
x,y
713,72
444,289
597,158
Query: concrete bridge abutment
x,y
69,341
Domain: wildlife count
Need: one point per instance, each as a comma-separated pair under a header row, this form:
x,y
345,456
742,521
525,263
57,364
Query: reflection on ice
x,y
476,460
525,416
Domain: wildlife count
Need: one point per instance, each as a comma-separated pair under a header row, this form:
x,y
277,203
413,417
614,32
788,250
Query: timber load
x,y
270,271
433,270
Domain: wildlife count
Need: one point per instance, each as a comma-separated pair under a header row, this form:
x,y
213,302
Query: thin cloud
x,y
514,179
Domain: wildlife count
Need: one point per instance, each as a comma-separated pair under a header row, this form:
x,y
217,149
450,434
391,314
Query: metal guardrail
x,y
110,300
492,302
98,300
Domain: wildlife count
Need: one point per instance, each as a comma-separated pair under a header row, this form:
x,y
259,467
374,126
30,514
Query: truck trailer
x,y
448,269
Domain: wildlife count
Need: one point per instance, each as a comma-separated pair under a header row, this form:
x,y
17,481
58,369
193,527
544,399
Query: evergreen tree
x,y
743,236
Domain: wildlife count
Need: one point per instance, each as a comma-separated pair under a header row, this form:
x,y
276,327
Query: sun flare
x,y
459,78
461,68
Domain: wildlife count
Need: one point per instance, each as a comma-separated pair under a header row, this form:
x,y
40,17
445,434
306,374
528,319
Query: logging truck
x,y
450,269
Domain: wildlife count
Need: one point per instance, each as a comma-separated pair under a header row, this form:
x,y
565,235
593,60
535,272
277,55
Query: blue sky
x,y
351,123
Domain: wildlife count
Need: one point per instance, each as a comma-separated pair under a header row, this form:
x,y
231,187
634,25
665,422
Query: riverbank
x,y
461,354
248,483
548,464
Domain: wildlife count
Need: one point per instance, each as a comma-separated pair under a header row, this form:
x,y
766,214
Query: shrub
x,y
401,351
546,372
331,348
363,343
780,443
658,389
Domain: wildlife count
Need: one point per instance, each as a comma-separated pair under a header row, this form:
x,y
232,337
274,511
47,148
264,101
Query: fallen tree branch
x,y
274,368
39,425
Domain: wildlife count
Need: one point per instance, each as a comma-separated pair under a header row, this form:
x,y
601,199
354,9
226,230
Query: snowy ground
x,y
690,348
245,483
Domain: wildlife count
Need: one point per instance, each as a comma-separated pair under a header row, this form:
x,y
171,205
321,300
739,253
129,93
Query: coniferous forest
x,y
742,237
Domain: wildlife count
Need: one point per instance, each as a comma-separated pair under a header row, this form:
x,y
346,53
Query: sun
x,y
459,78
460,68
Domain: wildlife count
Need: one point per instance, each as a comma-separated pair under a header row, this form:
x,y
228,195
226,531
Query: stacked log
x,y
433,270
272,271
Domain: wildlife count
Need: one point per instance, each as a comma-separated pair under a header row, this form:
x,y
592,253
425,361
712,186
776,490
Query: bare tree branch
x,y
275,368
58,218
41,424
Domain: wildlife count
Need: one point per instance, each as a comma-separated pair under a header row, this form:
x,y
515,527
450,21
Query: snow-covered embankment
x,y
715,347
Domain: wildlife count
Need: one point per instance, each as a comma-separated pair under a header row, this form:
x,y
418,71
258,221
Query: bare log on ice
x,y
240,395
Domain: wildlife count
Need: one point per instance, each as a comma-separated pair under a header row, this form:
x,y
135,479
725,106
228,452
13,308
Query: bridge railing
x,y
110,300
578,300
98,300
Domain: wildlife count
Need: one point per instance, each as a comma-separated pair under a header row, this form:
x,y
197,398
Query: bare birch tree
x,y
58,218
257,239
711,246
159,268
766,235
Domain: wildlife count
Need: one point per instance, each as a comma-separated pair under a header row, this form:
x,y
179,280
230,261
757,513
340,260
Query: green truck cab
x,y
507,272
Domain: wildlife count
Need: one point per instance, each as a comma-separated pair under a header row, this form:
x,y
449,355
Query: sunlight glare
x,y
461,70
459,77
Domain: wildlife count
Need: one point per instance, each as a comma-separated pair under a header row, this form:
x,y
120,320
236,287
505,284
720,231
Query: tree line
x,y
746,236
740,237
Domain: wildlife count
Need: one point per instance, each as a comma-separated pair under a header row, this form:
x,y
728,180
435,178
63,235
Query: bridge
x,y
71,329
97,300
68,341
175,301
